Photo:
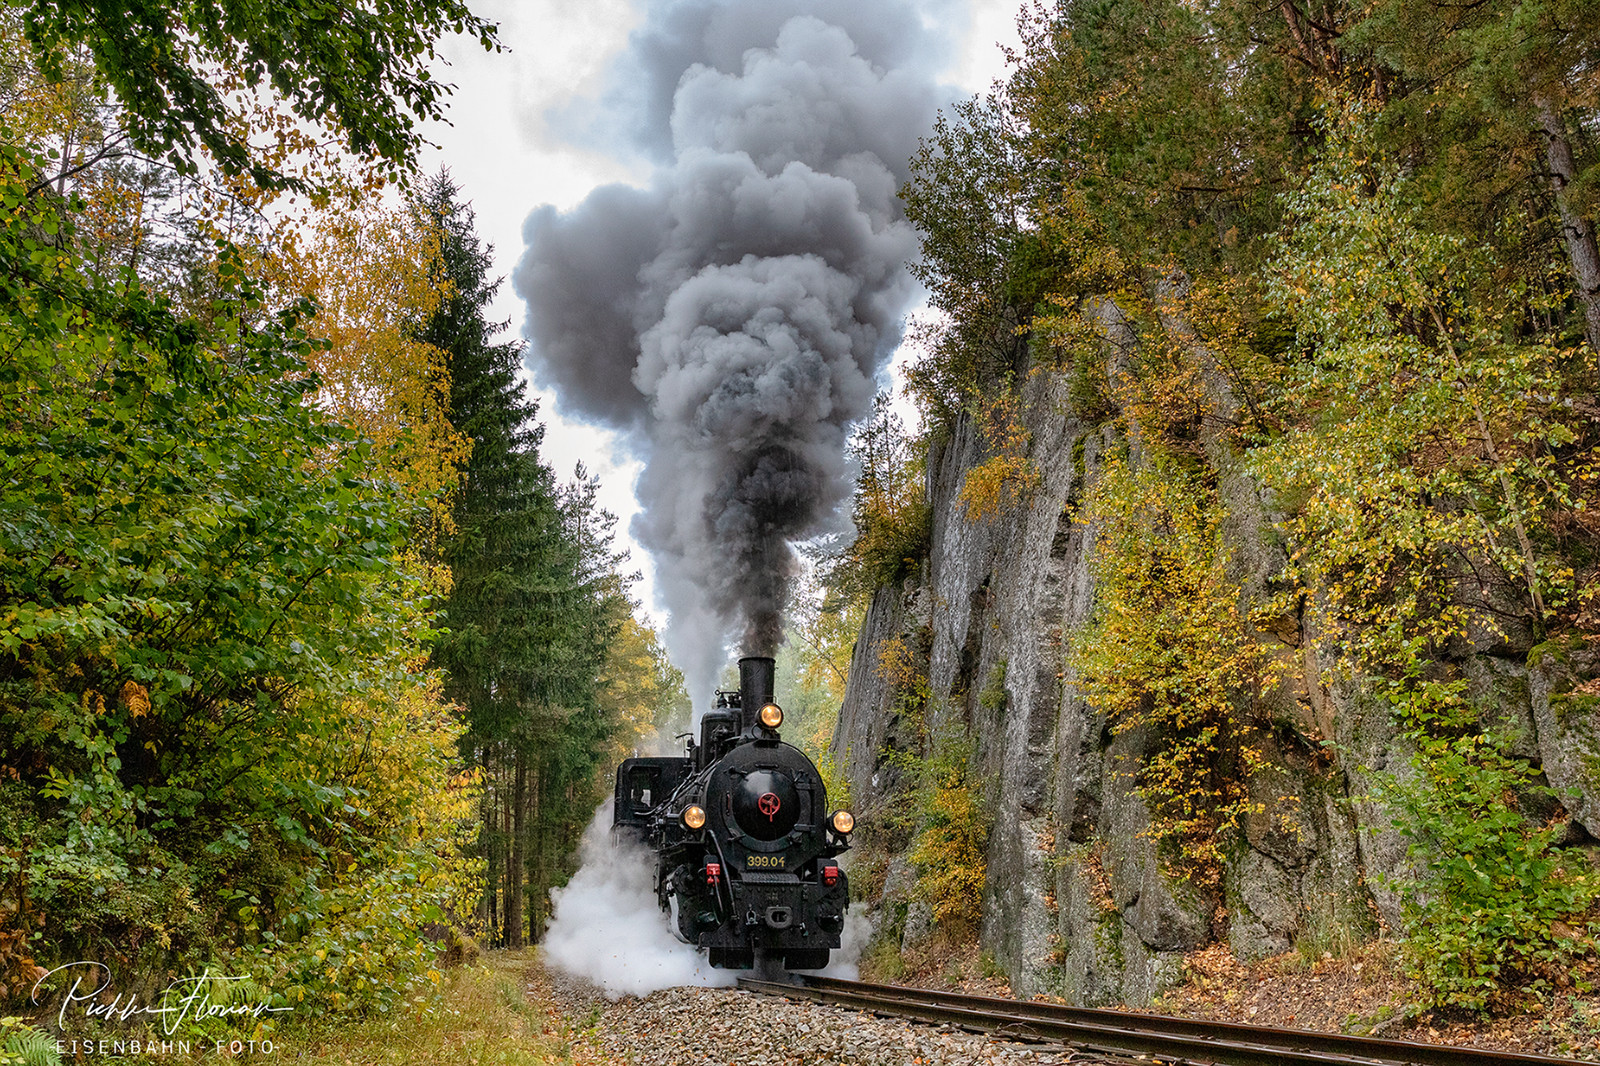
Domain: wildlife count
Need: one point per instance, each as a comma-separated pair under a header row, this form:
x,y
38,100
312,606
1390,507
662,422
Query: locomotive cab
x,y
642,786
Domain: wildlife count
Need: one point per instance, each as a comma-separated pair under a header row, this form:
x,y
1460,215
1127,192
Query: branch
x,y
106,150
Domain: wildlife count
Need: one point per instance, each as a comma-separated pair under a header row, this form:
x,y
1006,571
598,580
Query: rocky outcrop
x,y
1077,902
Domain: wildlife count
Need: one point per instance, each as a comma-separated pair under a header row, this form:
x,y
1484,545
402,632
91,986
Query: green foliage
x,y
23,1045
823,626
222,742
1465,112
945,817
642,694
891,514
966,195
209,636
883,960
1335,254
365,943
950,848
1173,151
1008,476
1423,448
994,695
1496,910
835,781
184,74
535,602
480,1013
816,657
1424,438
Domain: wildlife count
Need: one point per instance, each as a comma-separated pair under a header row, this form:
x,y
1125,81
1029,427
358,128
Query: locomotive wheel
x,y
807,959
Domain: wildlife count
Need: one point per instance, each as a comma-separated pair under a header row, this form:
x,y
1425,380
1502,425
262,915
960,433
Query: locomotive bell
x,y
757,674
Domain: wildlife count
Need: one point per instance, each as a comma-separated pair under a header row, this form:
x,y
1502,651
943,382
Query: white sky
x,y
507,164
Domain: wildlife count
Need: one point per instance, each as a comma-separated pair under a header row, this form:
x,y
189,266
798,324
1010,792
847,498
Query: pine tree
x,y
506,555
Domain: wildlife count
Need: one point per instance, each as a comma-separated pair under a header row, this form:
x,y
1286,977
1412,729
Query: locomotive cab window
x,y
641,787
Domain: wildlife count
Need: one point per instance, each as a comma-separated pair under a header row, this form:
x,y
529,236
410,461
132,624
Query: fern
x,y
25,1045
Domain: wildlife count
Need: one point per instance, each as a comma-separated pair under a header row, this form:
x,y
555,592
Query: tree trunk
x,y
488,917
1577,231
541,880
503,847
516,925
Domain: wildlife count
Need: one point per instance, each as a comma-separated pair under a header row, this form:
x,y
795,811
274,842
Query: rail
x,y
1093,1029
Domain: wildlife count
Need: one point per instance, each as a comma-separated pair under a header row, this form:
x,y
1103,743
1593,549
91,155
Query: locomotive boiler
x,y
746,845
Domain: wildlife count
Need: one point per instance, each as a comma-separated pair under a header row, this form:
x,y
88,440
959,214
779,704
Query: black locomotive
x,y
746,846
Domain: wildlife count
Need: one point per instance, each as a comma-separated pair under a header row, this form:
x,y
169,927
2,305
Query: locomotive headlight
x,y
772,716
843,821
694,816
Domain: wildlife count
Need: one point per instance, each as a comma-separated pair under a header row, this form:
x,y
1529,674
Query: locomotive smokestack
x,y
757,674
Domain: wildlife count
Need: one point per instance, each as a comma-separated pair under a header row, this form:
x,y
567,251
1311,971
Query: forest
x,y
310,665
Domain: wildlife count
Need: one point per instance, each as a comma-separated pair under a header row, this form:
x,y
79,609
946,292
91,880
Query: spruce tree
x,y
529,610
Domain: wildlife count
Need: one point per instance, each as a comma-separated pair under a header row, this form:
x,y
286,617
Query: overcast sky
x,y
508,156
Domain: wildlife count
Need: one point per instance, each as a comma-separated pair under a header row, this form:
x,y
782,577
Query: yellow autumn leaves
x,y
367,266
1169,650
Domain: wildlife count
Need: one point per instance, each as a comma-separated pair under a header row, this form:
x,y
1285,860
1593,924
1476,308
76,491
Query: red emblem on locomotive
x,y
769,804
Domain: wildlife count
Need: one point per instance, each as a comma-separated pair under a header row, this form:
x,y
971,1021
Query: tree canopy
x,y
183,74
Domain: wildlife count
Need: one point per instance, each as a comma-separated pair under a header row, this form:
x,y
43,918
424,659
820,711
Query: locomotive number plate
x,y
764,862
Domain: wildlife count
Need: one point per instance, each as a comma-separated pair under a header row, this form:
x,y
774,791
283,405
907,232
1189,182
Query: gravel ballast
x,y
728,1026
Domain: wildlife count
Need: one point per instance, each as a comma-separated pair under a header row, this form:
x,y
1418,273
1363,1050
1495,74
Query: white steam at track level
x,y
608,928
732,317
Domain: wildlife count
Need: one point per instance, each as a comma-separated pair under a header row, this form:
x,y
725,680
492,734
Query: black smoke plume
x,y
732,317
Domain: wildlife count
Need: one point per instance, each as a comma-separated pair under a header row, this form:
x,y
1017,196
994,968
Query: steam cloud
x,y
732,317
606,926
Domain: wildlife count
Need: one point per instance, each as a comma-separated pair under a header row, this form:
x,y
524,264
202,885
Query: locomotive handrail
x,y
725,880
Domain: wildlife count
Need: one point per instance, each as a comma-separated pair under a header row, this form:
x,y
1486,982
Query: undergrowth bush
x,y
946,817
1495,910
950,848
1168,650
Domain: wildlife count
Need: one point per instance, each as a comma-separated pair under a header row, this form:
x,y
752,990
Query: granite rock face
x,y
1077,902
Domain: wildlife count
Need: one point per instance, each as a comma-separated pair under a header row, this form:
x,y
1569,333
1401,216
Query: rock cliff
x,y
1076,902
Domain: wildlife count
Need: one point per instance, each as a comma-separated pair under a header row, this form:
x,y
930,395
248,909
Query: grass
x,y
481,1014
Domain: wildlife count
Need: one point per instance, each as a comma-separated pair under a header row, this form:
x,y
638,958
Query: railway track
x,y
1155,1035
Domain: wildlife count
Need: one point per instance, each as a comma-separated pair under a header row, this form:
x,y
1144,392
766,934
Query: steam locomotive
x,y
746,846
